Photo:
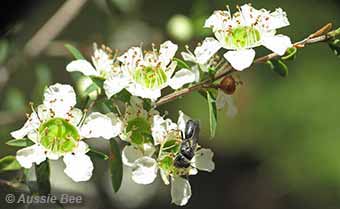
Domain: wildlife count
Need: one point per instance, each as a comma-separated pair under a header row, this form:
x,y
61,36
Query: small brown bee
x,y
228,85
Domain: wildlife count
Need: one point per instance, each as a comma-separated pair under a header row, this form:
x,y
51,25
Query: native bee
x,y
188,145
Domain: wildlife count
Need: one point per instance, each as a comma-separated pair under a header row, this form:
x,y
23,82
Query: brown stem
x,y
228,69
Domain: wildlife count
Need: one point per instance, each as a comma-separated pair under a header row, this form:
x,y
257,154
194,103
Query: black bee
x,y
188,145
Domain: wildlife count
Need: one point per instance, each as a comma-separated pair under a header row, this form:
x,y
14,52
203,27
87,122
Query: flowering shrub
x,y
130,86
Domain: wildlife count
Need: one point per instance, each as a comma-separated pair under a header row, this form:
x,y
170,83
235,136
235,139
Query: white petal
x,y
278,19
99,125
180,191
196,71
144,170
82,148
82,66
129,59
148,149
203,160
115,83
181,78
43,113
79,167
130,154
74,116
208,48
165,177
218,20
278,44
52,156
250,14
29,127
102,61
240,59
59,98
158,129
188,57
29,155
138,90
182,120
167,52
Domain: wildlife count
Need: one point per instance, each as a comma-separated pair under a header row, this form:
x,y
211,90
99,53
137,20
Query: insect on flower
x,y
188,145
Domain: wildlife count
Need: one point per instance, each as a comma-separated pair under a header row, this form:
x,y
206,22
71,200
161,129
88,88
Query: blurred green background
x,y
280,151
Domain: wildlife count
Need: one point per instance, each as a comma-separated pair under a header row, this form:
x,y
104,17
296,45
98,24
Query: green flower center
x,y
150,77
58,135
243,37
139,130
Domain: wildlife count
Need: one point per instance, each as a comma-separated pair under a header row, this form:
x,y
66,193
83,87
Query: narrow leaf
x,y
20,142
116,165
91,88
212,113
181,63
96,154
74,51
43,177
9,163
290,54
279,67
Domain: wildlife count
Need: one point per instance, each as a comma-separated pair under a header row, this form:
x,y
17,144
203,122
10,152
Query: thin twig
x,y
40,40
228,69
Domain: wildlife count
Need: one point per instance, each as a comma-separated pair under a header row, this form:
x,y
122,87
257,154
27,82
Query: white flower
x,y
247,29
202,160
160,128
144,167
152,71
203,52
222,99
103,63
56,129
105,67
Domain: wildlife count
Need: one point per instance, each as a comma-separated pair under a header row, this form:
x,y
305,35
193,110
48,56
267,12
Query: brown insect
x,y
228,84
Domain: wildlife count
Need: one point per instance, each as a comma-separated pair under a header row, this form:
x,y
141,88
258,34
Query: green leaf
x,y
20,142
91,88
116,165
212,113
4,46
290,54
74,51
96,154
181,63
279,67
335,46
123,96
43,177
98,81
9,163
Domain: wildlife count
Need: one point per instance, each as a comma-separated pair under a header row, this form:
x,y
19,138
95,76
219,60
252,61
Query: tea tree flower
x,y
246,29
152,71
145,165
57,129
103,63
105,67
137,132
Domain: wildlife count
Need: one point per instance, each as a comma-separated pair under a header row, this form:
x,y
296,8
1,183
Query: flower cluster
x,y
155,144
